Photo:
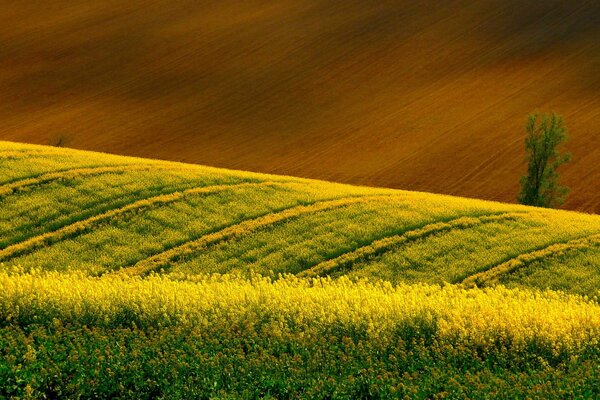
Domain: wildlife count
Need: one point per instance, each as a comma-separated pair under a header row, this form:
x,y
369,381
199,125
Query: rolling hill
x,y
66,210
126,277
422,95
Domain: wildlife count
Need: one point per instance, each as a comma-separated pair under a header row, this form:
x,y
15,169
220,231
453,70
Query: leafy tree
x,y
539,187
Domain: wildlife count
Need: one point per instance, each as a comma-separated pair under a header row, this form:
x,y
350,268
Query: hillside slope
x,y
422,95
68,210
132,278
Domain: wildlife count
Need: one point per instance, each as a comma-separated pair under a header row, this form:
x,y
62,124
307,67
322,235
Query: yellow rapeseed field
x,y
132,278
479,316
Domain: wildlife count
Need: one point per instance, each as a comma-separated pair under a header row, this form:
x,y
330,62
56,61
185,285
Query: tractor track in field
x,y
84,225
382,245
494,273
73,173
173,254
17,153
38,180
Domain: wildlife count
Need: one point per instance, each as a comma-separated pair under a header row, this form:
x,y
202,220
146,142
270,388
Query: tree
x,y
539,187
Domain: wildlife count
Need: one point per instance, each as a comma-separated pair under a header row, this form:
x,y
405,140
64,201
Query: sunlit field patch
x,y
132,278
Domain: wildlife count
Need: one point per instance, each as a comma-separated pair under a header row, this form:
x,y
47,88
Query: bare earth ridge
x,y
422,95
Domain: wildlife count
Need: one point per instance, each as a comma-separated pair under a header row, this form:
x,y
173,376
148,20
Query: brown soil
x,y
421,95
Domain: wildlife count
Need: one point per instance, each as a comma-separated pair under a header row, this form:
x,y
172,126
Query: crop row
x,y
86,224
485,317
32,163
22,165
171,255
25,152
72,173
60,203
453,255
571,271
13,154
130,237
492,275
380,246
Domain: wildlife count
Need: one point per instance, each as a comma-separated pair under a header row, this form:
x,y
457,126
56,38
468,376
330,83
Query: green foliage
x,y
48,191
398,236
183,363
571,271
539,187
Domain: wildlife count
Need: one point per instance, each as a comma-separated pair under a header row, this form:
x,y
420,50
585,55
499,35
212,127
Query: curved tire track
x,y
159,260
493,274
84,225
383,245
23,183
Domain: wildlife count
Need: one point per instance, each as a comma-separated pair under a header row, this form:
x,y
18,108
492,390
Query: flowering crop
x,y
481,316
133,278
315,337
492,275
